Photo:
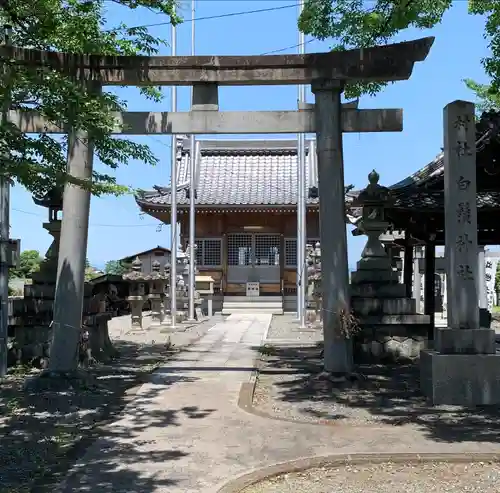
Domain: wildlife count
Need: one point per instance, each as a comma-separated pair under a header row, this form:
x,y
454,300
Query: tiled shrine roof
x,y
235,173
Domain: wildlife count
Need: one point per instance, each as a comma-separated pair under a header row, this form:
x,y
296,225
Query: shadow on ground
x,y
383,395
43,435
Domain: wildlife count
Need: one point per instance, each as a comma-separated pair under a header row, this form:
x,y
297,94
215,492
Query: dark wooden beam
x,y
408,264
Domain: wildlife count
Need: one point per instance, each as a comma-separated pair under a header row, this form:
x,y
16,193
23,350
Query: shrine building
x,y
246,215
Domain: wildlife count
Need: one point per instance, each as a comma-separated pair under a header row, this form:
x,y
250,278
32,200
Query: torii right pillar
x,y
463,368
371,64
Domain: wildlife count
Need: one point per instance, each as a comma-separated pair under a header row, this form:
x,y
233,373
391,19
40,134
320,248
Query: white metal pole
x,y
173,196
301,201
192,185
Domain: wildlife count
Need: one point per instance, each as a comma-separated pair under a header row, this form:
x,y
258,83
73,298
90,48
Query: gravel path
x,y
388,477
286,328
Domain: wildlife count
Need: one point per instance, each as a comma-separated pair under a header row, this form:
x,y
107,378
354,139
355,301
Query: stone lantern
x,y
52,200
389,329
373,199
313,259
32,336
137,294
157,281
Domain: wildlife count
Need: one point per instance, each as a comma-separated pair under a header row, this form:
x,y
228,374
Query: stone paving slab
x,y
184,432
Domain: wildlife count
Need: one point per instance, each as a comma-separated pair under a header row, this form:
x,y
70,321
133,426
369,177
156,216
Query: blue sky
x,y
117,230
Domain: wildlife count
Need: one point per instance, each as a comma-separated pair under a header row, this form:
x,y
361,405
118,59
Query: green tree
x,y
75,26
487,98
29,262
358,24
114,267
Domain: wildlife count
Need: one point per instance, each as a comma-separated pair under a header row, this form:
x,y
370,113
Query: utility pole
x,y
4,227
301,200
173,208
192,189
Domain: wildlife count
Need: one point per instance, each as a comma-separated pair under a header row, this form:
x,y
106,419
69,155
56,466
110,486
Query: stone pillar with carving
x,y
464,366
389,329
137,294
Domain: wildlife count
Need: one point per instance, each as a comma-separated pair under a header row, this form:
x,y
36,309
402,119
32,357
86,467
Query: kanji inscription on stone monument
x,y
461,215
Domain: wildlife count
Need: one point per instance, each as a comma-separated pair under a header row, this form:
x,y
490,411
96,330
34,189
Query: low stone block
x,y
382,333
460,379
374,276
464,341
388,306
374,263
375,290
408,319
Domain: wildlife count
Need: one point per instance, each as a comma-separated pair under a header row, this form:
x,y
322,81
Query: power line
x,y
95,224
209,17
288,47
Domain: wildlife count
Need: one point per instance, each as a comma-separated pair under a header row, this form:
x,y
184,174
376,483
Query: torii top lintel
x,y
379,63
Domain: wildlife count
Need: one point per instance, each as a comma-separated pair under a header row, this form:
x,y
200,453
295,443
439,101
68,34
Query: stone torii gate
x,y
326,72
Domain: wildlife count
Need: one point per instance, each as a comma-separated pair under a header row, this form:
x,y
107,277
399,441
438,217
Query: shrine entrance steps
x,y
272,305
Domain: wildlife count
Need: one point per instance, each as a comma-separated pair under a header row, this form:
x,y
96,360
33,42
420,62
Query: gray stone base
x,y
391,343
465,341
389,349
460,379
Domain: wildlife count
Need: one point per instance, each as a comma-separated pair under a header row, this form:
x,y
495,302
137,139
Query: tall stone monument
x,y
463,368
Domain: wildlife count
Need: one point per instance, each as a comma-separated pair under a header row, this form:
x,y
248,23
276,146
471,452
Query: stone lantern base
x,y
390,328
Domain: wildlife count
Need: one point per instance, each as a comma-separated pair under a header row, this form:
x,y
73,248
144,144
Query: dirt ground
x,y
289,386
42,435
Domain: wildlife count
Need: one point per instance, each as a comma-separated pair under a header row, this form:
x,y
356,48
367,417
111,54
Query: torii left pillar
x,y
333,234
68,302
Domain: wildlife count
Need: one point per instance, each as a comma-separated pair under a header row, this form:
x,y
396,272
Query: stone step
x,y
237,305
387,306
262,310
253,299
374,276
376,290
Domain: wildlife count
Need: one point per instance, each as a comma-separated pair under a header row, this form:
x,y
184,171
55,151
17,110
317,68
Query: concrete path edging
x,y
241,482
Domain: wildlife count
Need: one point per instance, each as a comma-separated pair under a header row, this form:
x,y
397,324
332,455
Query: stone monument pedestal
x,y
463,369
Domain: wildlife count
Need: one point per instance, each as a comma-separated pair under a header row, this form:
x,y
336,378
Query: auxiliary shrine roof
x,y
424,189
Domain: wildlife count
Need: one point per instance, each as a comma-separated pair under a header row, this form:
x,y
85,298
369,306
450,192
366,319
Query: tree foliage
x,y
360,24
486,97
74,26
90,271
114,267
29,262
